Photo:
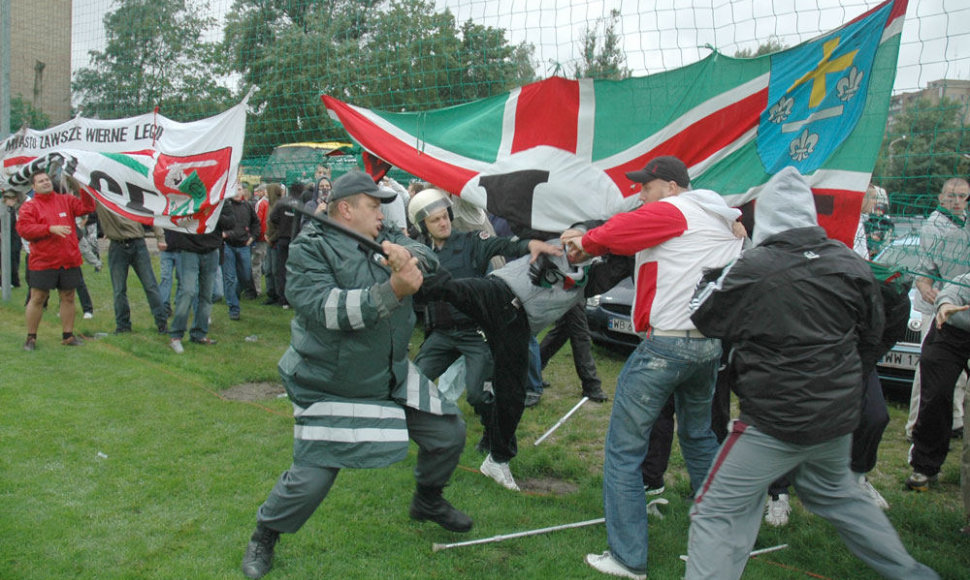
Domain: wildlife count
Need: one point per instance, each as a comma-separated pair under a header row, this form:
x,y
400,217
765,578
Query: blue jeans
x,y
168,262
134,254
659,367
217,287
196,274
236,274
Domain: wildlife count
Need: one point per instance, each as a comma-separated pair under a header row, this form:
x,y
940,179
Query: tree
x,y
154,56
921,149
395,55
22,113
602,60
774,44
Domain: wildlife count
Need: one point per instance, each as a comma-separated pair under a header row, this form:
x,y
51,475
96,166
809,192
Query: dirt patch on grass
x,y
548,486
253,392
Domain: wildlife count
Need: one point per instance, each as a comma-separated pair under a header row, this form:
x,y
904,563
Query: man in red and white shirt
x,y
674,235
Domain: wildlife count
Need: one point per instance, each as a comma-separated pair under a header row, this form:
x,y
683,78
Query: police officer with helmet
x,y
450,334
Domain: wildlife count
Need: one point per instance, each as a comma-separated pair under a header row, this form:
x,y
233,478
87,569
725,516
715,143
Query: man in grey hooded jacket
x,y
797,308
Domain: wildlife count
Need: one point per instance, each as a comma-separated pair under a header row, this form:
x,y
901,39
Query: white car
x,y
897,368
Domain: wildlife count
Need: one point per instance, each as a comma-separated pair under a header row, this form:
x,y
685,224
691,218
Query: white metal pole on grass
x,y
561,421
502,537
755,552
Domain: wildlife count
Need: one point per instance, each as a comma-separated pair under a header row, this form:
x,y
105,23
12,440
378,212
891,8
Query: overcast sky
x,y
657,36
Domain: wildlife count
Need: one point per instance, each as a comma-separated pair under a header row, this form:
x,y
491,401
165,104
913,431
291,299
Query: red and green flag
x,y
555,152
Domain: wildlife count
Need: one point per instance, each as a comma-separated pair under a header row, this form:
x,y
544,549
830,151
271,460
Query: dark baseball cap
x,y
667,168
356,181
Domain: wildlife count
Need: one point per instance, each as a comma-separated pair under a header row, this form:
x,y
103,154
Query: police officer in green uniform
x,y
450,333
356,398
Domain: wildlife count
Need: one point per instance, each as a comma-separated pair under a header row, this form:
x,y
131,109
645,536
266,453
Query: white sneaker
x,y
873,493
176,345
88,315
777,510
606,564
499,472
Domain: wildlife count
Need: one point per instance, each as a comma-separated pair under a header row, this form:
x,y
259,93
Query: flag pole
x,y
561,421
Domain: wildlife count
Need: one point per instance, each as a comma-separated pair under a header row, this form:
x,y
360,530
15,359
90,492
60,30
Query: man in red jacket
x,y
47,223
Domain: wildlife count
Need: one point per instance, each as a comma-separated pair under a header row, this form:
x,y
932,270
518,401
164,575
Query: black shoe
x,y
596,395
271,302
204,340
545,385
122,330
259,552
532,398
957,433
428,504
162,327
233,316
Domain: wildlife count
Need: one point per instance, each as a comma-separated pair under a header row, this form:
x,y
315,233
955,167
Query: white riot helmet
x,y
425,203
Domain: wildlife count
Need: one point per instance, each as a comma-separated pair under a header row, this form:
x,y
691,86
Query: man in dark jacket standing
x,y
797,308
286,224
237,269
196,270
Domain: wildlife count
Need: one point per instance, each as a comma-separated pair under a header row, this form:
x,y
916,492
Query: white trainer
x,y
777,510
88,315
606,564
499,472
176,345
873,493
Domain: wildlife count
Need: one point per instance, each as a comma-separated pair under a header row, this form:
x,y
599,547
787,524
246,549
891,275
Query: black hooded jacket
x,y
796,310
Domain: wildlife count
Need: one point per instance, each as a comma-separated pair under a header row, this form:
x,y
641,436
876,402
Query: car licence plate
x,y
624,325
900,360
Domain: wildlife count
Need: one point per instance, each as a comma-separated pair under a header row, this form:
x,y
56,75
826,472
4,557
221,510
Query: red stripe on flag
x,y
449,177
547,114
11,161
837,210
898,9
700,140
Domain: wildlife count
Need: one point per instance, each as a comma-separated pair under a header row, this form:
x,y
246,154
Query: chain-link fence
x,y
194,59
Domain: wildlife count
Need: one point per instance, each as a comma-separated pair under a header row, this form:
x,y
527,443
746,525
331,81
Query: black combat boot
x,y
428,504
259,552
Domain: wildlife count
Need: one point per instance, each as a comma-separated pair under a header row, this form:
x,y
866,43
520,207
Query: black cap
x,y
356,181
667,168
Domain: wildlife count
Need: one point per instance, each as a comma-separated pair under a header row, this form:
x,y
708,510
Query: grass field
x,y
121,459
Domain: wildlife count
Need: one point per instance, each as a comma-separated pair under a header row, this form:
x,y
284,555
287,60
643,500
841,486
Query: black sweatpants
x,y
489,302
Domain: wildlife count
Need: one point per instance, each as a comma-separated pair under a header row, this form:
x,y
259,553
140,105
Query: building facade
x,y
952,89
40,56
